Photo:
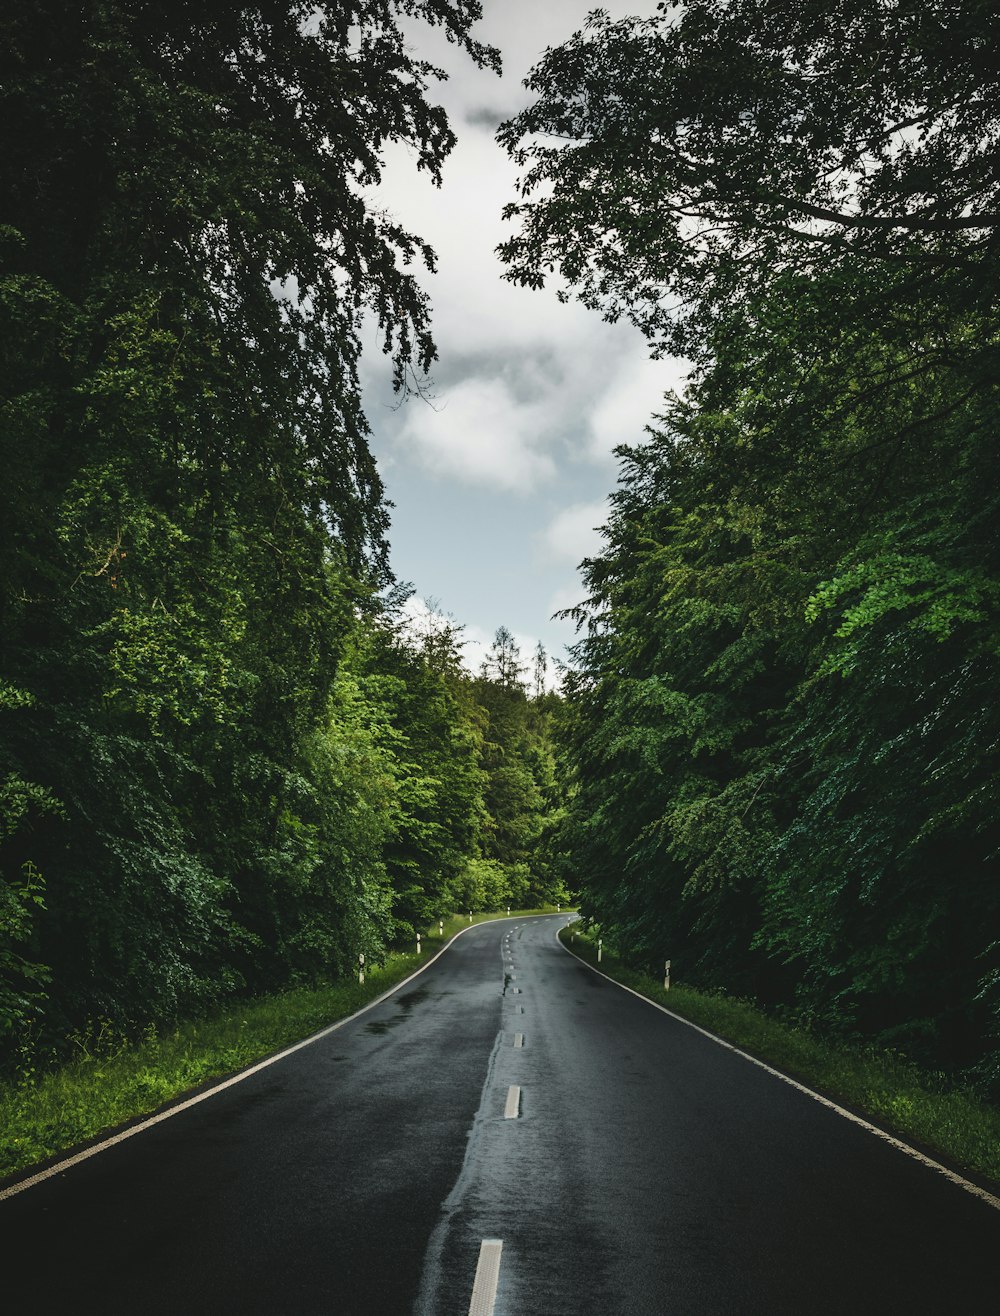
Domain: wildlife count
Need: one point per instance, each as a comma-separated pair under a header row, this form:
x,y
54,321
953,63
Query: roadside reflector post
x,y
666,976
508,911
600,949
361,968
418,943
441,926
558,909
470,915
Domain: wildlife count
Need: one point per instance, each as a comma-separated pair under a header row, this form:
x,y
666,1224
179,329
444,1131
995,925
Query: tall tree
x,y
675,165
539,671
780,731
193,520
503,661
437,734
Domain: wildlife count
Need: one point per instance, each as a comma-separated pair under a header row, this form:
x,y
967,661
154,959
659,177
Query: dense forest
x,y
230,761
226,762
783,719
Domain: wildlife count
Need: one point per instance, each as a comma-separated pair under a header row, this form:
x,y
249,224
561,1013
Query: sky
x,y
501,478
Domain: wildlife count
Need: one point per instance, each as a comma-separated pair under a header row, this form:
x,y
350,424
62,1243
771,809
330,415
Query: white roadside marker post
x,y
418,943
600,949
666,976
441,926
558,909
508,911
361,969
470,915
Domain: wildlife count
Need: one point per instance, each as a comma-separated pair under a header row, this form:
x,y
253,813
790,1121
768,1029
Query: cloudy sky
x,y
499,482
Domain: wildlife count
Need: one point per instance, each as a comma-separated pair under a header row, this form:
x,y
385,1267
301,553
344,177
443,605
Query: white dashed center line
x,y
518,1040
484,1289
513,1106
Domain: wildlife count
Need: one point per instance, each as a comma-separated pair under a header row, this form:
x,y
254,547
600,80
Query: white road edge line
x,y
484,1288
904,1147
61,1166
513,1106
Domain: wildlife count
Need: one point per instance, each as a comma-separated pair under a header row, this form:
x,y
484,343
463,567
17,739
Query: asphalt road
x,y
635,1168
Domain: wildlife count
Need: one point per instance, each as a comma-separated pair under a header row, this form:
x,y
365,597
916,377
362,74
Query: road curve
x,y
612,1159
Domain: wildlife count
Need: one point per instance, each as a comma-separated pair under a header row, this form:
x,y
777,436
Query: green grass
x,y
113,1081
921,1107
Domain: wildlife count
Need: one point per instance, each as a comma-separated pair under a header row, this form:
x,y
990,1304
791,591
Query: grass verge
x,y
112,1083
921,1107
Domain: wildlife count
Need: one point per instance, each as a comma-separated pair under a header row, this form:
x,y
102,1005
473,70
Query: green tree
x,y
521,791
193,521
779,734
675,165
437,731
502,662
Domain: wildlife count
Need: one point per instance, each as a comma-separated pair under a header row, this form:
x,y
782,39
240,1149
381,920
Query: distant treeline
x,y
782,734
225,763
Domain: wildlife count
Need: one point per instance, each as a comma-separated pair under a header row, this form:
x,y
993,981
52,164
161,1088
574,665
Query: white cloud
x,y
474,309
531,396
478,432
633,396
477,641
567,596
523,381
510,417
572,534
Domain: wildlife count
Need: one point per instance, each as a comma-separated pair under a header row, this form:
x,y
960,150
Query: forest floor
x,y
115,1080
927,1109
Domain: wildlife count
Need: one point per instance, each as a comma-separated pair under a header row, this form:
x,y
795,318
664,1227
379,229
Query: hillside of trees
x,y
226,764
783,722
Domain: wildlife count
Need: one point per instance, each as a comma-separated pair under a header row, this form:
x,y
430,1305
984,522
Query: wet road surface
x,y
624,1164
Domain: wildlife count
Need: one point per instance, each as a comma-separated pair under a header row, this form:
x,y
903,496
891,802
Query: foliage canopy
x,y
780,736
223,765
